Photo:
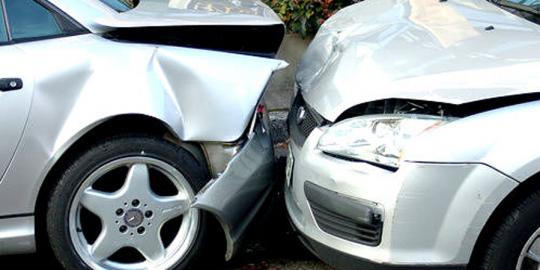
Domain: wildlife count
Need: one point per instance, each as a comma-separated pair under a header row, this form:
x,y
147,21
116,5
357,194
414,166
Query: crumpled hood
x,y
419,49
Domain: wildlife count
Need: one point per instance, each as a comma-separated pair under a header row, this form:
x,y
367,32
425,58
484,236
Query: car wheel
x,y
125,204
515,243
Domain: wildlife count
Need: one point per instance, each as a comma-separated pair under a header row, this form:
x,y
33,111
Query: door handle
x,y
10,84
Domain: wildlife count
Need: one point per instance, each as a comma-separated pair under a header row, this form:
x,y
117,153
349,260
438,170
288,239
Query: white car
x,y
132,133
415,137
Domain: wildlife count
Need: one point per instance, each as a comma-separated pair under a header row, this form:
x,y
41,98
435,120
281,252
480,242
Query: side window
x,y
28,19
3,34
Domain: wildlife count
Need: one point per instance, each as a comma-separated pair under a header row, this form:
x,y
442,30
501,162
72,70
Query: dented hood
x,y
457,51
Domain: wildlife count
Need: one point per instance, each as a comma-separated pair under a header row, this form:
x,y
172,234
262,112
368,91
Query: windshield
x,y
535,4
528,9
120,5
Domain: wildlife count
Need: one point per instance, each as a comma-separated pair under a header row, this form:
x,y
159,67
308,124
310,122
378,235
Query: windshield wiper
x,y
518,7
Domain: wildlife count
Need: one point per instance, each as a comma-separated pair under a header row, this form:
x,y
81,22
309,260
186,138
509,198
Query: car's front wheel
x,y
515,243
125,204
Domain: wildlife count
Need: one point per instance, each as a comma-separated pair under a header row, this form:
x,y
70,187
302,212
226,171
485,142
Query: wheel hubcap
x,y
132,216
529,257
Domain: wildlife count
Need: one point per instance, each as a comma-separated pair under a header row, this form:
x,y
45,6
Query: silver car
x,y
415,137
115,115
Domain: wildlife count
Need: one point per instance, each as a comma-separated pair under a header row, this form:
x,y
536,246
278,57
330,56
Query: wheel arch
x,y
524,189
120,124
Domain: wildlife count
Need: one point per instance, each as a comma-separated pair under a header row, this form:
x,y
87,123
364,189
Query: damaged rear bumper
x,y
236,196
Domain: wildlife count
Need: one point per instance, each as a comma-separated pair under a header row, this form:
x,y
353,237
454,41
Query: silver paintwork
x,y
17,235
249,173
74,84
136,187
92,84
417,49
99,18
453,177
16,105
433,212
503,139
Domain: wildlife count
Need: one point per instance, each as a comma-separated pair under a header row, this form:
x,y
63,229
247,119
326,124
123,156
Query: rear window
x,y
120,5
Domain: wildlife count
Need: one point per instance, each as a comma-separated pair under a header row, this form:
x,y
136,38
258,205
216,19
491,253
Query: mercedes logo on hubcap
x,y
133,218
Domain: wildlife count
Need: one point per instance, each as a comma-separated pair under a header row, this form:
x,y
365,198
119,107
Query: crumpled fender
x,y
235,197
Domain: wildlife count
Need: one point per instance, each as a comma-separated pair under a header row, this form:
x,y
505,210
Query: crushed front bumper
x,y
236,196
424,214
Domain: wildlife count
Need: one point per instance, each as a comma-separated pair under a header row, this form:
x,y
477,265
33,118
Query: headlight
x,y
379,139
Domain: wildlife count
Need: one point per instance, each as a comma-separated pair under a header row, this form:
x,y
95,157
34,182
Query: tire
x,y
69,224
513,236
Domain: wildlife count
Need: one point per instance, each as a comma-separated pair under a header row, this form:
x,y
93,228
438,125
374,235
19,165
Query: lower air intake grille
x,y
344,217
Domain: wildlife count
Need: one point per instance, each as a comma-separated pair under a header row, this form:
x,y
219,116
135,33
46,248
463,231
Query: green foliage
x,y
306,16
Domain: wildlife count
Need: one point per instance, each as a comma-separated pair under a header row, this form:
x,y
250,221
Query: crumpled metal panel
x,y
200,95
416,49
236,195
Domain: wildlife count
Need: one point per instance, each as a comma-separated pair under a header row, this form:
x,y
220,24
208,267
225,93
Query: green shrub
x,y
306,16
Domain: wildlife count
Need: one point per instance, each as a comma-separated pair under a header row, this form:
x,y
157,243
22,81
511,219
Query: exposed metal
x,y
219,155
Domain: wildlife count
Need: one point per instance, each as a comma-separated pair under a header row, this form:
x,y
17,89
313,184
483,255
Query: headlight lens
x,y
379,139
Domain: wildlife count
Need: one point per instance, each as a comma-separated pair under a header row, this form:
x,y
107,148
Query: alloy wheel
x,y
529,257
131,217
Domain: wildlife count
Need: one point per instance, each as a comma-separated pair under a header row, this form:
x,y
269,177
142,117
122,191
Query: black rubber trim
x,y
355,220
17,216
262,40
378,165
358,211
342,261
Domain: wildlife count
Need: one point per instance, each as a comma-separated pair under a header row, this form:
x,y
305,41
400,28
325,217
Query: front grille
x,y
344,217
346,228
301,127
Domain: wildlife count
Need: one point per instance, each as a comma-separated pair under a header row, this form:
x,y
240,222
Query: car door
x,y
24,22
15,96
